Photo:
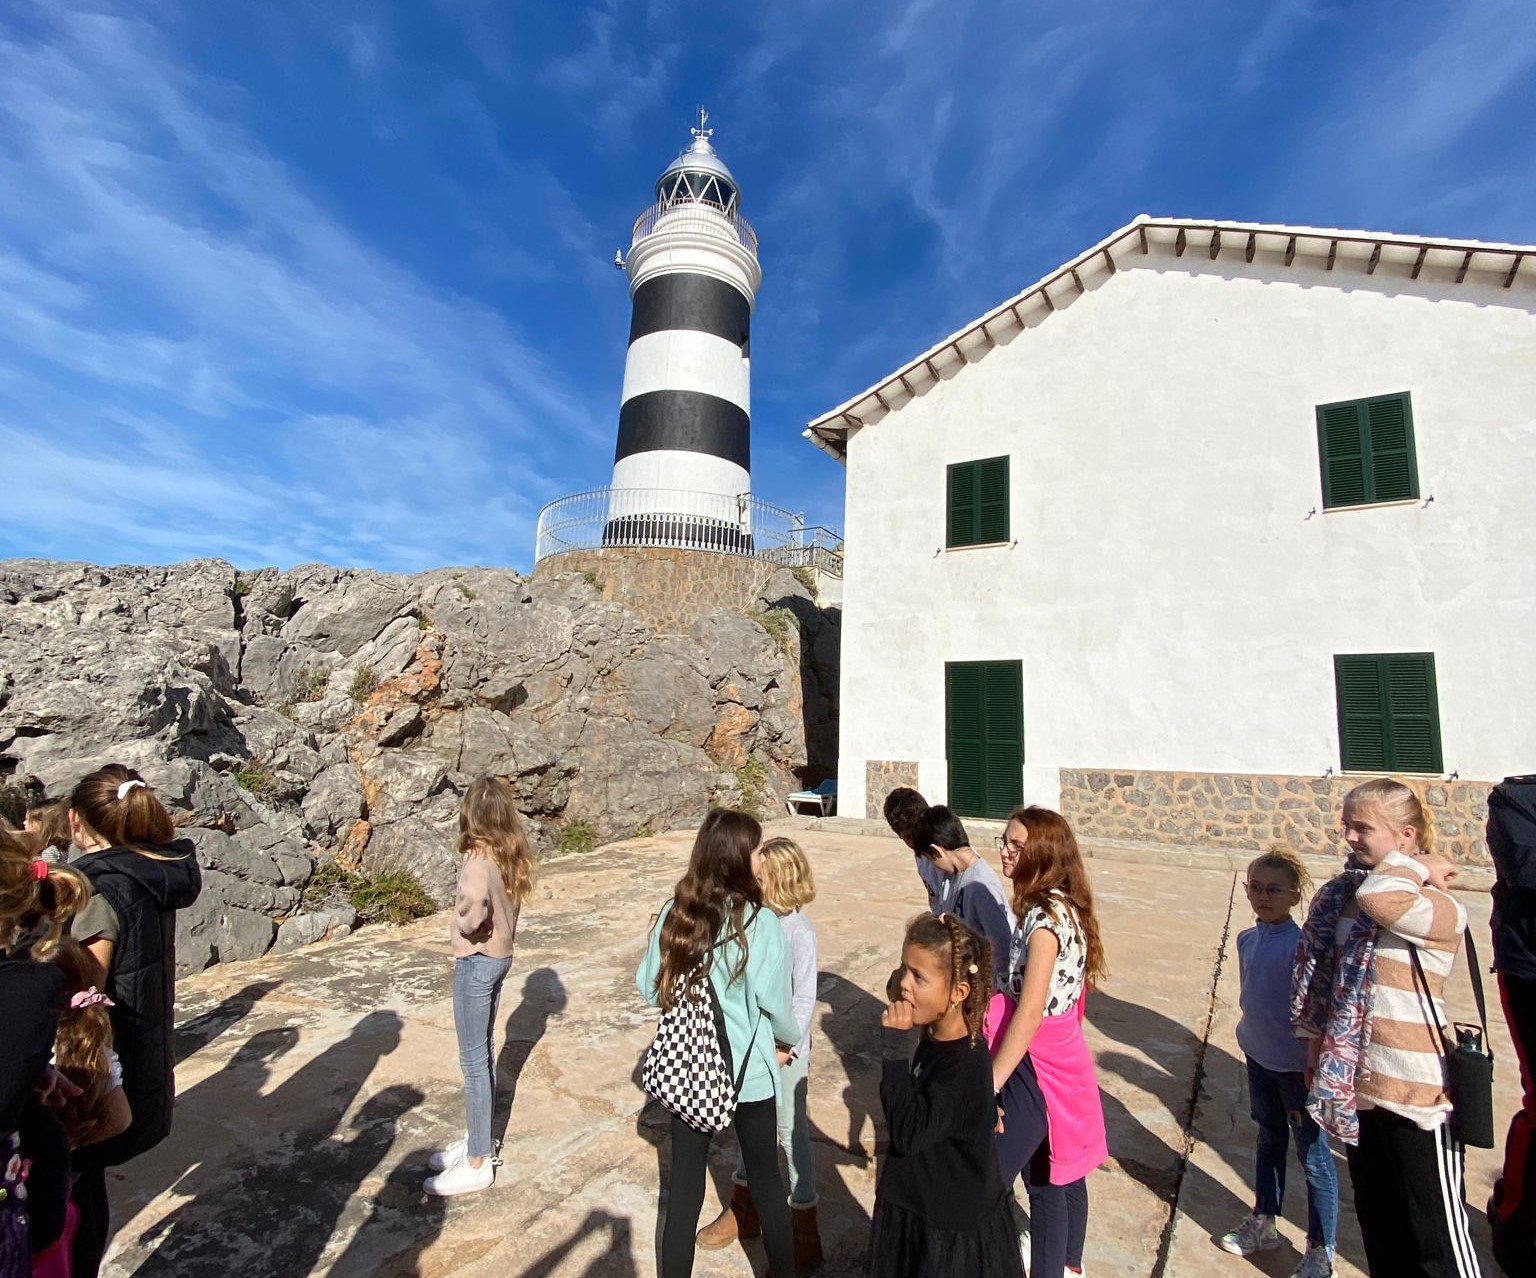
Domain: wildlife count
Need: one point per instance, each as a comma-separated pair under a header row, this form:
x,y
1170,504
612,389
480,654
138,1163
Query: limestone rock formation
x,y
326,712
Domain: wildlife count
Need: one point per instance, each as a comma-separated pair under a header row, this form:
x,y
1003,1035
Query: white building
x,y
1208,516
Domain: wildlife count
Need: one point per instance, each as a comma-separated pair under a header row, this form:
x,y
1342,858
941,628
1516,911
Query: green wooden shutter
x,y
1389,717
984,736
961,525
963,732
1363,729
1413,712
1366,450
1394,474
1003,704
992,500
1341,445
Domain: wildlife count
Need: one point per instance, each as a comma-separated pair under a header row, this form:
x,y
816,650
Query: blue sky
x,y
287,281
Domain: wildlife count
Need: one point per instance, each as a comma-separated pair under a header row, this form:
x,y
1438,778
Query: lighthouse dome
x,y
698,175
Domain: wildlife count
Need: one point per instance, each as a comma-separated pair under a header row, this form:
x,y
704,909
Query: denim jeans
x,y
794,1134
476,991
1278,1102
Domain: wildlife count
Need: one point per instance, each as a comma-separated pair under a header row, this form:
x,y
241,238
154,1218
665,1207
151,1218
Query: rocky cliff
x,y
324,712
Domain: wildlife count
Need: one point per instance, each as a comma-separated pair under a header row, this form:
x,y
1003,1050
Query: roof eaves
x,y
894,390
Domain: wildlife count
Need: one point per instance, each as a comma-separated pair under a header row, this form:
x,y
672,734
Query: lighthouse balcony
x,y
684,519
697,216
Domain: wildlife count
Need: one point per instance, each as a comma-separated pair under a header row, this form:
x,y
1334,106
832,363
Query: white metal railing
x,y
687,519
695,215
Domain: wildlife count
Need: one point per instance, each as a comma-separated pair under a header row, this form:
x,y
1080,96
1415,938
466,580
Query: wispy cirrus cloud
x,y
158,260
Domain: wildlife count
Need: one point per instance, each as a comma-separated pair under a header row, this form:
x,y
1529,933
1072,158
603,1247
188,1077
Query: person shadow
x,y
403,1221
273,1204
616,1260
1201,1106
544,996
196,1032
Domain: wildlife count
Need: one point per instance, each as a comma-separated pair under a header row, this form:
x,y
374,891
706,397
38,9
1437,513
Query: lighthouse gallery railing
x,y
695,215
688,520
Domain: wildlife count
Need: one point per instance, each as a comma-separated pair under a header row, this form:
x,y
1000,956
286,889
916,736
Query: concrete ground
x,y
313,1087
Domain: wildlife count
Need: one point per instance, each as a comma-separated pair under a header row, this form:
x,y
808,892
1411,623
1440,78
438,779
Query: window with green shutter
x,y
984,736
977,503
1366,450
1389,714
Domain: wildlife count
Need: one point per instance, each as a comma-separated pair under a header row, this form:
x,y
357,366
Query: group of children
x,y
87,982
1340,1029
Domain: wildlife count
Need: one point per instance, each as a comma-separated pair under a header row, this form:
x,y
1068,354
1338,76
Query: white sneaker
x,y
461,1178
1317,1263
1255,1233
1024,1248
443,1159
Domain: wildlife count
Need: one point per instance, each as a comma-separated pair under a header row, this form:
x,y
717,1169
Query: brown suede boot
x,y
807,1238
738,1219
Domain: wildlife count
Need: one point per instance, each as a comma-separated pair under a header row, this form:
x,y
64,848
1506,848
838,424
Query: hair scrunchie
x,y
122,790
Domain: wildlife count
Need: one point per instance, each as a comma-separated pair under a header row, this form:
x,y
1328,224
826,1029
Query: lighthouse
x,y
682,471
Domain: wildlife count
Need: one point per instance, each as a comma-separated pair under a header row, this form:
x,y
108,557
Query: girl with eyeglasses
x,y
1277,1062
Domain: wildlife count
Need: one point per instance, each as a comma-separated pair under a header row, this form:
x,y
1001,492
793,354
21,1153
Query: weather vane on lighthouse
x,y
701,132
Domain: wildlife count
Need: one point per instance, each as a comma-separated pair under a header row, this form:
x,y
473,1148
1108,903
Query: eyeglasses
x,y
1008,845
1268,889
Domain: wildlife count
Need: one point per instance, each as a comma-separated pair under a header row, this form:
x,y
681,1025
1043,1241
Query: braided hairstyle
x,y
968,956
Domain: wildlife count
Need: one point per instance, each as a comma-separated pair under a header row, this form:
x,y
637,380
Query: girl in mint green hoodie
x,y
715,929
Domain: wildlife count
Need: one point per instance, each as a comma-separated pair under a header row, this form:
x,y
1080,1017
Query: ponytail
x,y
34,903
117,804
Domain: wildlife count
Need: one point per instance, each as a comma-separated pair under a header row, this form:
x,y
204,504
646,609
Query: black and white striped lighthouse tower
x,y
682,468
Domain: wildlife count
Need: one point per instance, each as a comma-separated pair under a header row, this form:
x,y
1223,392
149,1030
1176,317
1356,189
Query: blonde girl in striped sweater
x,y
1376,1076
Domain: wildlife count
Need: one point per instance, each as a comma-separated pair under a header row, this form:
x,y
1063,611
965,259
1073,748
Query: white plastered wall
x,y
1172,602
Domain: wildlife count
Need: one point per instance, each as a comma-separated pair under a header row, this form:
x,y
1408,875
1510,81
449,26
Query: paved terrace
x,y
314,1086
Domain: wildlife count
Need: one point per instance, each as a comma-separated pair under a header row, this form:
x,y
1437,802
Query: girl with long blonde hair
x,y
494,881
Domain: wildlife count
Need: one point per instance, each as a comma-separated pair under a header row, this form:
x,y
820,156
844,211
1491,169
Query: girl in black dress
x,y
941,1208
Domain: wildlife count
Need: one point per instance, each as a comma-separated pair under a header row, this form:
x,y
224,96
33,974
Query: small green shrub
x,y
328,885
312,684
363,682
752,779
806,578
779,623
645,832
256,777
424,620
579,837
242,586
591,578
395,896
465,593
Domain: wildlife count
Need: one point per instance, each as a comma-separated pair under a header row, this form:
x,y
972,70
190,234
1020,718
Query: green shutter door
x,y
1362,714
1394,475
1389,717
1414,723
963,733
984,736
1341,445
992,500
961,527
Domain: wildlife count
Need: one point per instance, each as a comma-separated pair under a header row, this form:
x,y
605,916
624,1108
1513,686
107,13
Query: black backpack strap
x,y
1477,989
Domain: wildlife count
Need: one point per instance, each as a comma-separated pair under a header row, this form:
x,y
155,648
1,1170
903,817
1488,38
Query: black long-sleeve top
x,y
941,1118
32,995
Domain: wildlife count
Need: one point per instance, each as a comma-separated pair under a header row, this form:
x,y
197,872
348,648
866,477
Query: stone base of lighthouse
x,y
669,587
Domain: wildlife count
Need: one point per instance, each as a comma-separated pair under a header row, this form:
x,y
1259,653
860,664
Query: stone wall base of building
x,y
881,776
1244,812
669,587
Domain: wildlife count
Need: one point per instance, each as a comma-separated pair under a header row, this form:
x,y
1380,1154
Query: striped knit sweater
x,y
1403,1070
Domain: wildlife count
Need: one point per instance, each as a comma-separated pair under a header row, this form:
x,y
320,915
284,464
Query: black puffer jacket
x,y
1512,842
144,889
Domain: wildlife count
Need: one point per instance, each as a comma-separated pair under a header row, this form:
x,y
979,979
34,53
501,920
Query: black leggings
x,y
757,1132
1058,1214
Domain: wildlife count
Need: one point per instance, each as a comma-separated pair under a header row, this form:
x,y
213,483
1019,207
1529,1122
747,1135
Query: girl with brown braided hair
x,y
941,1208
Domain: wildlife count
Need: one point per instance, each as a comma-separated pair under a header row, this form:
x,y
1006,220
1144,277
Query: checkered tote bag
x,y
688,1067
